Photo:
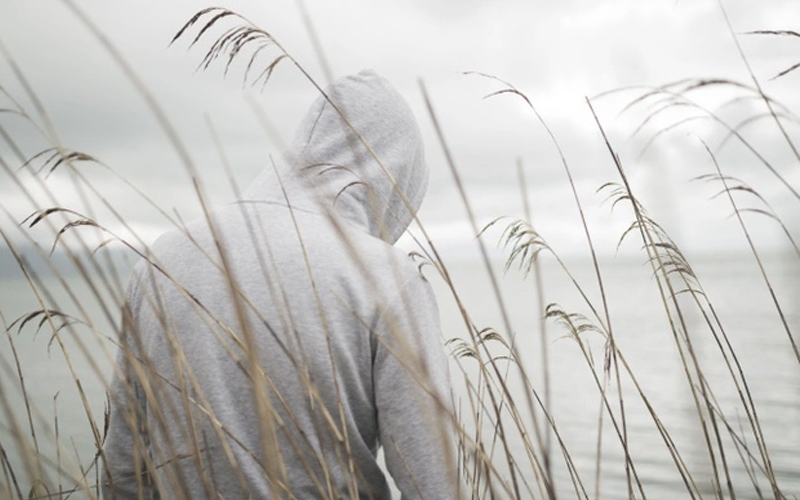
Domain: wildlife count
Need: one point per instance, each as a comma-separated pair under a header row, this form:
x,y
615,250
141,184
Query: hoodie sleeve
x,y
413,397
126,443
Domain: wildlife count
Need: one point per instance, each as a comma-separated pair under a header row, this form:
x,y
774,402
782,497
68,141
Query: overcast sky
x,y
556,52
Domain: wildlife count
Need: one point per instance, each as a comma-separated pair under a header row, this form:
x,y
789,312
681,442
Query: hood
x,y
328,168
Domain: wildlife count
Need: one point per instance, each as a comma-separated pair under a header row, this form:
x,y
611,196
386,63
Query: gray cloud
x,y
557,53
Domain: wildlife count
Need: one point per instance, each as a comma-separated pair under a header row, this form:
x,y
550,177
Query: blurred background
x,y
556,53
60,85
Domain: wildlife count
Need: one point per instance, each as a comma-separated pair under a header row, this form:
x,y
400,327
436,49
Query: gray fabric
x,y
271,352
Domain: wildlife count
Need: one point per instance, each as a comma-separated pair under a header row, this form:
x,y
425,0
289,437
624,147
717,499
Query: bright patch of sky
x,y
557,53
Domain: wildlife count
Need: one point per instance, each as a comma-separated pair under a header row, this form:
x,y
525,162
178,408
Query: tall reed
x,y
510,441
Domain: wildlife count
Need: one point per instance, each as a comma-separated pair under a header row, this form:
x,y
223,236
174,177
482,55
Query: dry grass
x,y
510,443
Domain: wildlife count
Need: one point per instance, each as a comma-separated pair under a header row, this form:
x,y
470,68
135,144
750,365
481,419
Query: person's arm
x,y
413,397
125,449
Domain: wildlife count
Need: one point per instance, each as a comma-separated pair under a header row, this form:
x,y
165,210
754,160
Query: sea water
x,y
641,328
60,412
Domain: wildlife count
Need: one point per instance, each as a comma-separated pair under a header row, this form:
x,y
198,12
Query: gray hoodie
x,y
270,350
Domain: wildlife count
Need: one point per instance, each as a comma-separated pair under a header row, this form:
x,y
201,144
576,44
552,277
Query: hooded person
x,y
270,350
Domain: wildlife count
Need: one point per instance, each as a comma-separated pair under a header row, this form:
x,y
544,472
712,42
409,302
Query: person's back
x,y
281,342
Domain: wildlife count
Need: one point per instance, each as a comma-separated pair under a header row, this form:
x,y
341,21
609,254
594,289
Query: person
x,y
271,349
